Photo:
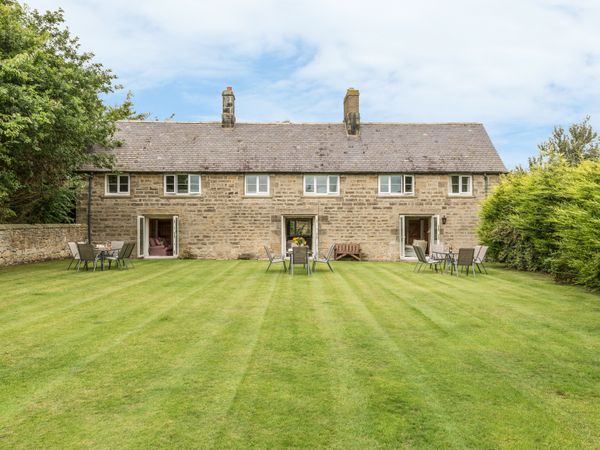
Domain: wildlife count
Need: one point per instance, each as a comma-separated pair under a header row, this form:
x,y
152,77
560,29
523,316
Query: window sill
x,y
395,195
461,195
181,195
116,196
321,195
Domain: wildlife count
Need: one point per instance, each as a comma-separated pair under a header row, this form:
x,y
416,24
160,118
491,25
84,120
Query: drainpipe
x,y
89,208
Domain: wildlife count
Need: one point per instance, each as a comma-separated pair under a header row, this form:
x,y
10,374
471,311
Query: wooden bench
x,y
342,250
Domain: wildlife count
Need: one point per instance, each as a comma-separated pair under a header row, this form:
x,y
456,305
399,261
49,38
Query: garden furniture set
x,y
467,259
84,255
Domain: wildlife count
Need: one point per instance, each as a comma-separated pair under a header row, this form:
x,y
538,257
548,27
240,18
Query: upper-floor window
x,y
321,184
460,185
257,184
396,185
182,184
117,184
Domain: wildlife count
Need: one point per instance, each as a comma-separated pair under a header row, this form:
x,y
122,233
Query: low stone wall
x,y
29,243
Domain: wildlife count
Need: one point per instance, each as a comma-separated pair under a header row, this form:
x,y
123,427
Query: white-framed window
x,y
182,184
117,184
321,184
460,185
257,185
396,185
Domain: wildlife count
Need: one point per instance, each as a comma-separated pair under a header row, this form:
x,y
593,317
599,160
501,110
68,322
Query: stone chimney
x,y
228,116
351,112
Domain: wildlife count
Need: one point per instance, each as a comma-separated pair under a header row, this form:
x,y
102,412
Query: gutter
x,y
89,208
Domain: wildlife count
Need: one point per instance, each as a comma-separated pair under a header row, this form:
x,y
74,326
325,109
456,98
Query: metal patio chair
x,y
480,257
300,256
87,254
424,260
326,259
74,255
274,259
466,259
119,256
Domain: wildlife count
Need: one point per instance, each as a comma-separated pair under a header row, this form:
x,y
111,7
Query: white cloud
x,y
525,62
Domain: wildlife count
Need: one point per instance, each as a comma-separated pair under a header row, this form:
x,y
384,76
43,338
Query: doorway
x,y
158,237
418,228
299,226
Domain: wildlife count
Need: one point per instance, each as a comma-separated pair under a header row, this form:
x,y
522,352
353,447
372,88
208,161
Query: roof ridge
x,y
292,123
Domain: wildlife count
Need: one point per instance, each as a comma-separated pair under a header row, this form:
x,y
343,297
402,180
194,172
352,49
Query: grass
x,y
219,354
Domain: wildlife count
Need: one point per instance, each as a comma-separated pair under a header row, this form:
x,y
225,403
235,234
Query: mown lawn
x,y
183,354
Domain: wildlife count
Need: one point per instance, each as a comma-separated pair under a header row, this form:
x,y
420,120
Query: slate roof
x,y
150,146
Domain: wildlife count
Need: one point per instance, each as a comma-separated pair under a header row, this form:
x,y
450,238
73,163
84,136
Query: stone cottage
x,y
226,189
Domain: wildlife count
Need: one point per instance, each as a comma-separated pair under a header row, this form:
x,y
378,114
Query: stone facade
x,y
223,223
29,243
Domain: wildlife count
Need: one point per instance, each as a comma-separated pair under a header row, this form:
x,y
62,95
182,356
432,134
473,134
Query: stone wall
x,y
29,243
223,223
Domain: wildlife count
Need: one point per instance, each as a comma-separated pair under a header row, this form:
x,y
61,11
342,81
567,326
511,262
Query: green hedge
x,y
547,219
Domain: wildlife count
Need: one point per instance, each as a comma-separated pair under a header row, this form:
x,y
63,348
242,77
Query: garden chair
x,y
87,255
326,259
422,244
480,257
423,260
119,256
115,246
74,254
300,256
274,259
466,259
127,255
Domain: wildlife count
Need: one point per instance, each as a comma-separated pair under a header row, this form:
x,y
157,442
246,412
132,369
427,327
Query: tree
x,y
51,114
580,144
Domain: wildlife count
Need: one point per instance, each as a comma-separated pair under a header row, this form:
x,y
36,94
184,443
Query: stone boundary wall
x,y
21,244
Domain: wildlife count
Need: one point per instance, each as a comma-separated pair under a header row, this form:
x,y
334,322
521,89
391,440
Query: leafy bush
x,y
548,220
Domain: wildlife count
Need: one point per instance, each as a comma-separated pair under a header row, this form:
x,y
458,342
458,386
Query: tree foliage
x,y
547,219
581,143
51,114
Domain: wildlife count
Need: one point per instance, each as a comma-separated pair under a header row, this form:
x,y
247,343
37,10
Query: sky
x,y
518,66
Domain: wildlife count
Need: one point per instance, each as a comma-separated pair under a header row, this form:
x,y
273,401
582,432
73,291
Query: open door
x,y
142,242
401,228
175,236
435,229
315,242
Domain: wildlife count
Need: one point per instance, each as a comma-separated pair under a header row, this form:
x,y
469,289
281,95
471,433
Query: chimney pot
x,y
352,111
228,115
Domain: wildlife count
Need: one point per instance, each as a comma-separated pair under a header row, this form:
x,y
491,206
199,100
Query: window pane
x,y
465,184
251,184
170,183
396,184
455,184
333,184
124,183
384,186
112,184
263,184
309,184
182,184
408,184
194,184
321,184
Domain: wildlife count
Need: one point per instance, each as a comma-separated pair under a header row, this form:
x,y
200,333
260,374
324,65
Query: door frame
x,y
143,230
315,229
434,231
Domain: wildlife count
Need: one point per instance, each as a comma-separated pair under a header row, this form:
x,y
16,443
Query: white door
x,y
142,236
401,226
175,236
435,230
315,235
